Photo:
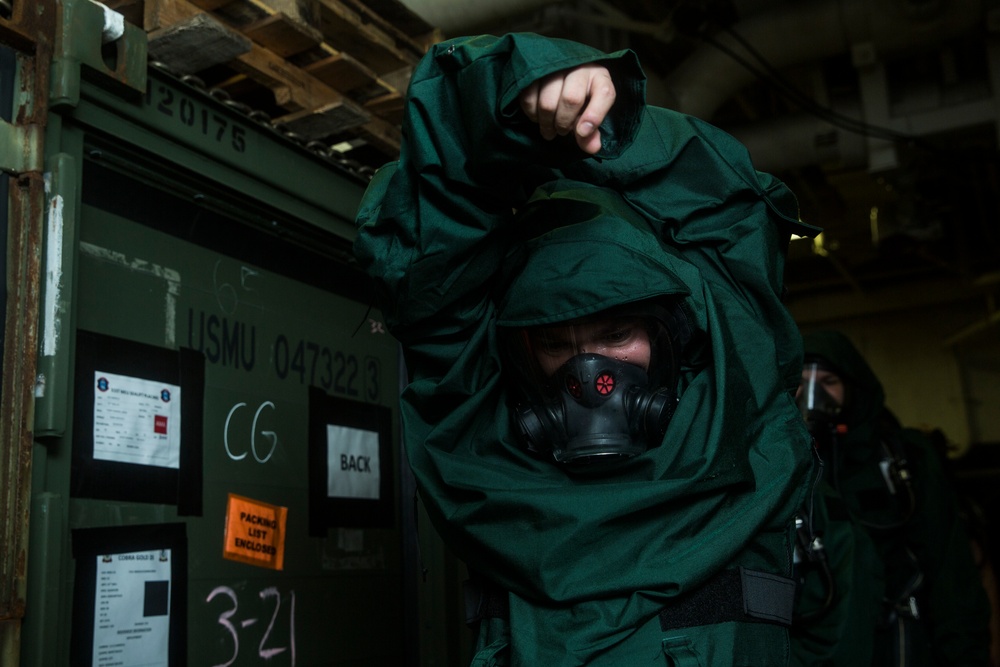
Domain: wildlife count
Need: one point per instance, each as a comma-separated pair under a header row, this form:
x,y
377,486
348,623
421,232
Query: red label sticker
x,y
160,424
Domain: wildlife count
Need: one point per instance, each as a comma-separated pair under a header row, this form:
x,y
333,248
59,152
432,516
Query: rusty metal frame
x,y
21,30
31,31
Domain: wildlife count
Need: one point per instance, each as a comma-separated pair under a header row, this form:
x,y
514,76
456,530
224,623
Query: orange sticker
x,y
255,532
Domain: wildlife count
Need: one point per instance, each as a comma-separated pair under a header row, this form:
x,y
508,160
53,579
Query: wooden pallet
x,y
332,69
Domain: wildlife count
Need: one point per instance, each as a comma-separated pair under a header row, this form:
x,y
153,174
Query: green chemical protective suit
x,y
483,227
935,610
841,589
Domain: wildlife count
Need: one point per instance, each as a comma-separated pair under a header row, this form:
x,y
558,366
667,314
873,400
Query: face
x,y
829,381
624,339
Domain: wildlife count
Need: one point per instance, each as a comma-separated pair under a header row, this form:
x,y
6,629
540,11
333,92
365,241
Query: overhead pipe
x,y
802,139
458,17
798,33
796,141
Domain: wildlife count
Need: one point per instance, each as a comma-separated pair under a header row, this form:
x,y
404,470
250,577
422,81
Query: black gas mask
x,y
602,410
818,406
596,389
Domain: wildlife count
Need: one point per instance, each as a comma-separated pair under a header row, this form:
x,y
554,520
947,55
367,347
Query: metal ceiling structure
x,y
882,116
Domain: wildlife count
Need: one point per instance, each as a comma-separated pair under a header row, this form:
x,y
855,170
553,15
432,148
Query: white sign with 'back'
x,y
352,463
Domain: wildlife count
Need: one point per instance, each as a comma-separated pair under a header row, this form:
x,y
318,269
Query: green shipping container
x,y
215,475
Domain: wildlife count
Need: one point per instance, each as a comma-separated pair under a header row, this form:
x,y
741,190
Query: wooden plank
x,y
211,5
401,16
283,35
374,90
159,14
287,28
302,94
383,135
294,90
339,70
346,74
346,31
388,107
375,17
342,72
244,12
240,86
320,122
312,95
399,79
196,43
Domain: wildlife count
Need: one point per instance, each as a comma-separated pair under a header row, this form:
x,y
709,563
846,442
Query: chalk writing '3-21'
x,y
227,621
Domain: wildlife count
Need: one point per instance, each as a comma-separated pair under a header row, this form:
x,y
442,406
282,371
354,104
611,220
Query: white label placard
x,y
136,421
352,463
132,610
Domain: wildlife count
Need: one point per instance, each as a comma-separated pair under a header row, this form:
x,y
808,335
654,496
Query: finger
x,y
572,100
601,98
591,143
549,94
529,101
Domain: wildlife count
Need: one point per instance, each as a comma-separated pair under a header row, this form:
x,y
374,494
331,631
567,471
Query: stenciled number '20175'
x,y
212,125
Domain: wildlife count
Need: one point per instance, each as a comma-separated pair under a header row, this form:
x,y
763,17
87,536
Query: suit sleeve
x,y
956,610
432,226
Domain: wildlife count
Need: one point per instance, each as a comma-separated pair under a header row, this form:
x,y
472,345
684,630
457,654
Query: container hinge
x,y
92,39
20,148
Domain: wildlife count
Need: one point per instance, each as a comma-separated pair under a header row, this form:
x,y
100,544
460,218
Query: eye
x,y
551,343
828,382
621,332
618,335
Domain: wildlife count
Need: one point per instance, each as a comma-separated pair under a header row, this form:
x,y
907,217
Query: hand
x,y
573,100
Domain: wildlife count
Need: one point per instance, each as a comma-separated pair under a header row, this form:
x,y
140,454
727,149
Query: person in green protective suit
x,y
935,611
600,412
841,586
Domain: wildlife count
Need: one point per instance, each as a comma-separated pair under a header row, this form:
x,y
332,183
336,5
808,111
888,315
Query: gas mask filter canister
x,y
602,410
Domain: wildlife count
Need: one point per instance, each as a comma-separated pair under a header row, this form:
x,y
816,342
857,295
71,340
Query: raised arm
x,y
432,226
